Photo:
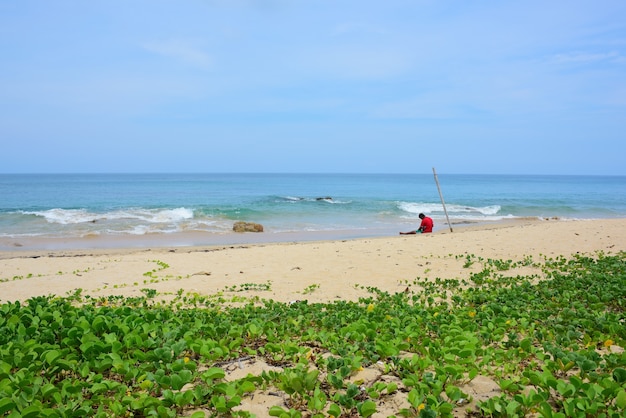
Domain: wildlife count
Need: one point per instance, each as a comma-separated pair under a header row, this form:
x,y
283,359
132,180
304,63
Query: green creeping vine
x,y
552,346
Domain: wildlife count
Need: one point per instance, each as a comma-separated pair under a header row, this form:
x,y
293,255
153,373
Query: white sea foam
x,y
459,211
416,208
337,202
168,215
322,199
64,216
77,216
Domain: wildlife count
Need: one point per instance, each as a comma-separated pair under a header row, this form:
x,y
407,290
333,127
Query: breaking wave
x,y
454,211
78,216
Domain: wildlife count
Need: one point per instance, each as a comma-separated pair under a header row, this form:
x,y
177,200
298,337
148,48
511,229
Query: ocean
x,y
199,209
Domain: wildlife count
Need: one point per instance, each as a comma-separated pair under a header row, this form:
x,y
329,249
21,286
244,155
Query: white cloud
x,y
355,62
588,58
418,108
181,50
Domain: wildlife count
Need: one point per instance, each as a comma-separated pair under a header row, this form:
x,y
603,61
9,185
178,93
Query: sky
x,y
319,86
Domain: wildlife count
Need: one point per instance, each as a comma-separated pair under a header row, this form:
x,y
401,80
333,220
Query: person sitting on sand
x,y
425,227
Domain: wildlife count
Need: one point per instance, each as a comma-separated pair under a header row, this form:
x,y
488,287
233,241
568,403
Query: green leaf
x,y
5,368
51,356
512,407
415,398
6,405
465,353
334,410
233,402
47,390
213,373
445,408
565,389
227,389
177,382
247,387
318,400
33,411
588,365
620,399
98,388
619,375
311,379
181,379
276,411
219,403
367,408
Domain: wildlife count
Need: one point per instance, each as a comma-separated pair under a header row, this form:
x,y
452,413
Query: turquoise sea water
x,y
79,205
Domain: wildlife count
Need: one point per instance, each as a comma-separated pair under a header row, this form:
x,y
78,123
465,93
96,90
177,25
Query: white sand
x,y
317,271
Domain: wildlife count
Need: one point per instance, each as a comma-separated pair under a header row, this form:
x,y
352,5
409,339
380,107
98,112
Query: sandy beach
x,y
319,271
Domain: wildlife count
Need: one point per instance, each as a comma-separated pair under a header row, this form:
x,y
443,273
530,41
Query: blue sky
x,y
496,87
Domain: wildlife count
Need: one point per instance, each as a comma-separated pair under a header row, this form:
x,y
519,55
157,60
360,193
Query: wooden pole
x,y
441,197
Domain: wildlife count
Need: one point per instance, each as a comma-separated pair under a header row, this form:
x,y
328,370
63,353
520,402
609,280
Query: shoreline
x,y
203,239
194,239
318,271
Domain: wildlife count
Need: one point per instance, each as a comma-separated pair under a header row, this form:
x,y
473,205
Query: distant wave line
x,y
324,199
78,216
455,210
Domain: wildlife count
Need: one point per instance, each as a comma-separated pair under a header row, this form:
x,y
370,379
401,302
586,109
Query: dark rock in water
x,y
240,226
324,198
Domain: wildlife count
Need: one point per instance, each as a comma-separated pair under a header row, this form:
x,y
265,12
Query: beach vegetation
x,y
551,344
160,266
247,287
310,289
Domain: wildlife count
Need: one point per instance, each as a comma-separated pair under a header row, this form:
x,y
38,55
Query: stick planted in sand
x,y
441,197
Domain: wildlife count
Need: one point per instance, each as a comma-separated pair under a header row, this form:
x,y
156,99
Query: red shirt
x,y
427,224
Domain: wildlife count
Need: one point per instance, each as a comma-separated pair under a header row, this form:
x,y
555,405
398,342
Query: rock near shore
x,y
247,227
